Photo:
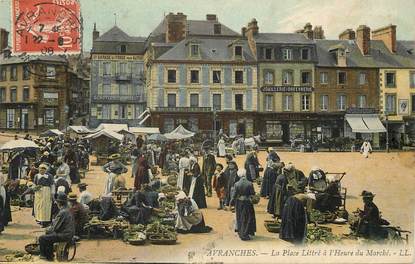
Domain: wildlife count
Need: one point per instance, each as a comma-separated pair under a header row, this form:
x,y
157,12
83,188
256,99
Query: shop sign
x,y
357,110
286,89
403,107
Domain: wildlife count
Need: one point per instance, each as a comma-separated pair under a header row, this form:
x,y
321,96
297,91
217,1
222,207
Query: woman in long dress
x,y
5,212
221,148
44,190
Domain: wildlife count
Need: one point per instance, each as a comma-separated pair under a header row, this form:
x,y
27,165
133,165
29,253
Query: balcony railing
x,y
183,109
118,98
123,77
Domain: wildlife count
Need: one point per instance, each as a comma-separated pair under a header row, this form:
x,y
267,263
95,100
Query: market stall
x,y
101,142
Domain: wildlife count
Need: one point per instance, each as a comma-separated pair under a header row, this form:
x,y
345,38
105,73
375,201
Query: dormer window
x,y
268,53
305,54
238,51
194,50
123,49
287,54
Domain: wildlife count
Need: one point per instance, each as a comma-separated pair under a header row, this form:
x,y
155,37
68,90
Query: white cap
x,y
61,189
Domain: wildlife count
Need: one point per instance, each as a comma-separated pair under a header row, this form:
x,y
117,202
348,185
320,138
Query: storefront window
x,y
49,117
274,130
193,124
233,125
249,128
10,118
168,125
297,130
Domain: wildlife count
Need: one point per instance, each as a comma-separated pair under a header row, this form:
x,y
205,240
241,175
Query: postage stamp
x,y
46,27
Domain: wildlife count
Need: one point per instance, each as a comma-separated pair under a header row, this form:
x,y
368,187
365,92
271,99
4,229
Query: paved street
x,y
390,176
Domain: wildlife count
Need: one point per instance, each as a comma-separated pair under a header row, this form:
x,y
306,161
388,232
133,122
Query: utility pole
x,y
387,133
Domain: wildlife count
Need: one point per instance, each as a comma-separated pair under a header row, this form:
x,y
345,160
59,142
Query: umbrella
x,y
157,137
18,144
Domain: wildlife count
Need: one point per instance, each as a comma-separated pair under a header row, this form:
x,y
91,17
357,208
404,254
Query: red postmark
x,y
46,26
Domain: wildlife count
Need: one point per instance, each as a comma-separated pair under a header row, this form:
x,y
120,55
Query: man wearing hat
x,y
369,224
208,169
61,230
231,177
79,213
85,197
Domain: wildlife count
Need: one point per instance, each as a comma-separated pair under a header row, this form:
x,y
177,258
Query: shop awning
x,y
361,123
374,124
357,124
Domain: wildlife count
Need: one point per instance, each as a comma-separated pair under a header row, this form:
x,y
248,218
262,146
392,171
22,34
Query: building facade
x,y
33,93
117,78
78,81
202,75
397,86
286,65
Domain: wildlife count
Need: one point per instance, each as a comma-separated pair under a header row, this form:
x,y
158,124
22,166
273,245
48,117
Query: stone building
x,y
78,81
117,78
33,93
202,76
346,86
285,80
396,62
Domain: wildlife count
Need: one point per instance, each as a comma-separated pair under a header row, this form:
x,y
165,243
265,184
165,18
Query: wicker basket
x,y
272,226
160,239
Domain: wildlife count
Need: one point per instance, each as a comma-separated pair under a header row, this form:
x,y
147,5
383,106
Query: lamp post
x,y
214,128
387,133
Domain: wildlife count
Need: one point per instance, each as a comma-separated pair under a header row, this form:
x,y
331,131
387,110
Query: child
x,y
219,185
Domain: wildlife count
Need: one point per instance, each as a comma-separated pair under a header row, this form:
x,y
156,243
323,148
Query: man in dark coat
x,y
244,209
231,176
208,169
196,188
294,219
61,230
370,220
71,158
79,213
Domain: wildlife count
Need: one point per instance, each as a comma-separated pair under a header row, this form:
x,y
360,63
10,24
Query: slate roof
x,y
17,59
194,27
110,41
117,35
380,56
211,49
282,38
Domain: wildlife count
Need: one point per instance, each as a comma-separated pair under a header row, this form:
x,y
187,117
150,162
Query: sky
x,y
140,17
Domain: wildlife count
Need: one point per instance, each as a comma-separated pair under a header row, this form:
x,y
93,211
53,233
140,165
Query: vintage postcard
x,y
207,131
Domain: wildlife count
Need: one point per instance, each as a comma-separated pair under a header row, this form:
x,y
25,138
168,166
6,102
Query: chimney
x,y
348,34
211,17
307,31
243,31
253,28
319,32
4,39
176,27
387,35
363,39
95,33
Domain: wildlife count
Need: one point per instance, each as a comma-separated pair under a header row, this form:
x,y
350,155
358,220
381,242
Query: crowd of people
x,y
52,175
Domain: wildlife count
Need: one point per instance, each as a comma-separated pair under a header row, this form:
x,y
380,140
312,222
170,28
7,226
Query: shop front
x,y
282,128
236,123
195,119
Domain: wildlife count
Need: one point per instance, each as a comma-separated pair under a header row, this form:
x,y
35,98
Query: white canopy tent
x,y
51,132
111,127
107,133
79,129
144,130
179,133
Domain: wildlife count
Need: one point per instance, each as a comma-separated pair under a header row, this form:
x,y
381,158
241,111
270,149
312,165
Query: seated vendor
x,y
327,192
370,221
189,217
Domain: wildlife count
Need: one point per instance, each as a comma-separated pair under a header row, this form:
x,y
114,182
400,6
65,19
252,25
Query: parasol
x,y
18,144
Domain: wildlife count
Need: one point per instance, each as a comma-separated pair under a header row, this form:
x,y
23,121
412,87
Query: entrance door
x,y
285,132
25,120
241,128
